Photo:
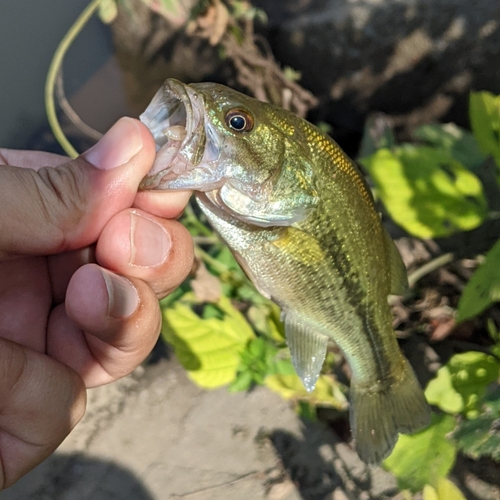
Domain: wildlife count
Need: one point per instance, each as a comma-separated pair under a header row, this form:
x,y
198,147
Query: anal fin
x,y
307,347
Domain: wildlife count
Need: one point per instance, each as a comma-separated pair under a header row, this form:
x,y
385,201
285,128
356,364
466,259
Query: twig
x,y
208,259
54,67
215,486
430,266
71,113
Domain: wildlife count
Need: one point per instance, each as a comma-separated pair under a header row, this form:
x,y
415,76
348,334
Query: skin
x,y
83,262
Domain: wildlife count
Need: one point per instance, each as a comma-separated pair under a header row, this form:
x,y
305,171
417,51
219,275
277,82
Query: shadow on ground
x,y
76,477
319,463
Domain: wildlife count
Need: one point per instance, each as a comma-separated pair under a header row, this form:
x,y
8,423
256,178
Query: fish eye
x,y
239,120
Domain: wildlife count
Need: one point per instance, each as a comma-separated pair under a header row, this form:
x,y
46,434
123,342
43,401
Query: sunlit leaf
x,y
209,349
422,458
426,191
461,144
441,393
326,393
445,490
484,111
483,289
462,382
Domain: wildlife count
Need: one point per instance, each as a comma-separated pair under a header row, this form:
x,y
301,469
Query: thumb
x,y
55,209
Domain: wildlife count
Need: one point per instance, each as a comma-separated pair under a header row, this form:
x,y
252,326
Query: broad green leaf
x,y
483,289
209,349
481,436
461,383
441,393
108,11
422,458
457,141
426,191
445,490
326,393
484,111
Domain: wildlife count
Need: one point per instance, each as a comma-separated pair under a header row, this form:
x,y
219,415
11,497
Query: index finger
x,y
165,204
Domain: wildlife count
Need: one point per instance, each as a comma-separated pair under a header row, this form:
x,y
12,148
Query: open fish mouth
x,y
185,141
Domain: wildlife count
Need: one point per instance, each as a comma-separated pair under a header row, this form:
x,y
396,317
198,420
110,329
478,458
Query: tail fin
x,y
378,414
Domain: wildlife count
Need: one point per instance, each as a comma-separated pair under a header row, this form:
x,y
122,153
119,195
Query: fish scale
x,y
301,221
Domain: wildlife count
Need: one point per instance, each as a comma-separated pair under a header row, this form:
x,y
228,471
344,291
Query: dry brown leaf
x,y
206,286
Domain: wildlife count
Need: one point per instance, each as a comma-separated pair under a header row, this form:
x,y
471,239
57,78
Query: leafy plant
x,y
424,457
444,490
431,190
207,345
427,191
483,289
481,436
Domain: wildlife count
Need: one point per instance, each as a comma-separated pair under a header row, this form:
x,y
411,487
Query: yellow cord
x,y
54,68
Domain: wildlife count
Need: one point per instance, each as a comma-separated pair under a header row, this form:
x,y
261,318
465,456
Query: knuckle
x,y
62,196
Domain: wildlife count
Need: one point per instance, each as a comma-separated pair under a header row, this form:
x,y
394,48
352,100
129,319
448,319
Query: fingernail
x,y
150,243
117,146
123,298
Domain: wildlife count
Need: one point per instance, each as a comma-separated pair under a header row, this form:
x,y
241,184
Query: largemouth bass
x,y
301,221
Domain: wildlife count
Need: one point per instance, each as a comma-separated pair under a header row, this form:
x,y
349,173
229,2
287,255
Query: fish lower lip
x,y
185,140
169,118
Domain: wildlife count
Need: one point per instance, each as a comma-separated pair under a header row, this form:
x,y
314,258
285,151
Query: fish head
x,y
232,148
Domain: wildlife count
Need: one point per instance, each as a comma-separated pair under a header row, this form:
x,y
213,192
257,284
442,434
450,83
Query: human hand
x,y
83,262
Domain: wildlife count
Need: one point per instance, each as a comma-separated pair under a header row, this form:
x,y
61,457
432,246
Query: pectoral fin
x,y
308,349
399,276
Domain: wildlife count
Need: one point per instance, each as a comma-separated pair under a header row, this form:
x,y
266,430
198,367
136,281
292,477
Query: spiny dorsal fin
x,y
307,347
399,276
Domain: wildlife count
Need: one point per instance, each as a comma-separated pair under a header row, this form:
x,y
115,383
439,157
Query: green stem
x,y
190,218
208,259
54,69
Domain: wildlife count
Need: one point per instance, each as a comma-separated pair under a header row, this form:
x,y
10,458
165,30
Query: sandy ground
x,y
155,436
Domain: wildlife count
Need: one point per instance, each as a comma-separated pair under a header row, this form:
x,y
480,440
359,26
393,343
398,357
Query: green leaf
x,y
445,490
441,393
481,436
327,392
209,349
426,191
461,144
422,458
242,382
484,111
461,384
483,288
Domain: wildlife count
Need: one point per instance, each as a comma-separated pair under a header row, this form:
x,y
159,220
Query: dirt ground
x,y
156,436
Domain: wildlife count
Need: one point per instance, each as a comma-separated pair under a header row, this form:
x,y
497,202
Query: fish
x,y
300,219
